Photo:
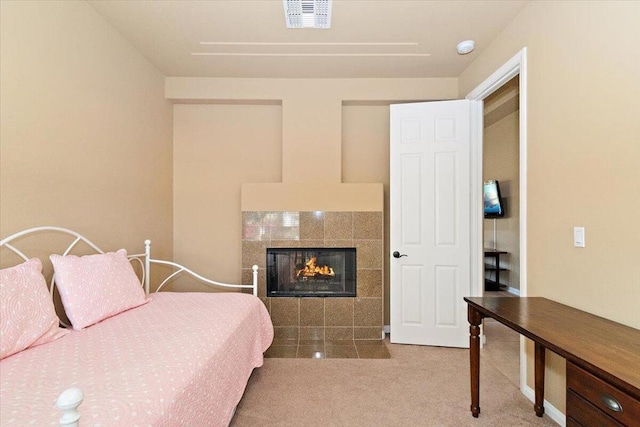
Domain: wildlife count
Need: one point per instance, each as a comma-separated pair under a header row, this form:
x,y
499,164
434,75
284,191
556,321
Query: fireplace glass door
x,y
298,272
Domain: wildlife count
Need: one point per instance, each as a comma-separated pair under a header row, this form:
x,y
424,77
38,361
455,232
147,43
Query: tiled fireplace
x,y
326,316
311,272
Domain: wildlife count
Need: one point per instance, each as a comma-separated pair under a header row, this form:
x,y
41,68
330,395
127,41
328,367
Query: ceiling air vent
x,y
307,13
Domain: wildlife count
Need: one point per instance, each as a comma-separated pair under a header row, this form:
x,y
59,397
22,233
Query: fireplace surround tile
x,y
367,311
253,253
372,349
312,333
339,243
332,333
311,312
262,287
286,332
311,318
325,349
283,342
278,218
311,244
285,233
339,343
369,253
367,225
267,303
284,244
338,225
369,283
253,228
367,333
313,351
341,351
282,351
339,311
312,225
285,311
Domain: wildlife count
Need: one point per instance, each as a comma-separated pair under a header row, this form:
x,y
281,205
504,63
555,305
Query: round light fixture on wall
x,y
466,46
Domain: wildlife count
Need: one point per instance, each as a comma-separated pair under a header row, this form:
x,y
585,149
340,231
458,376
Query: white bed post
x,y
147,265
68,403
255,280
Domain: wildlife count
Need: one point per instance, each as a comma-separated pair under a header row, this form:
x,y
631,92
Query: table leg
x,y
539,379
475,319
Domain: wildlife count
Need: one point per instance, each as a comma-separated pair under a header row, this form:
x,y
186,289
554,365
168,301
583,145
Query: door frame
x,y
517,65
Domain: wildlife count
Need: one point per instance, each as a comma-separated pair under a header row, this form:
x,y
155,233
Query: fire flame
x,y
311,269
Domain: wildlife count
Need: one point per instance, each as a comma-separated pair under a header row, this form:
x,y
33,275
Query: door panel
x,y
445,297
411,195
412,295
445,199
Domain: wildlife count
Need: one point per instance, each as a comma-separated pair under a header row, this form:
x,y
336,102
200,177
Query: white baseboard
x,y
550,410
387,329
513,291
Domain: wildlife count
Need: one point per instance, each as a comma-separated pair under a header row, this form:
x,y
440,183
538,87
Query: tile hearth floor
x,y
321,349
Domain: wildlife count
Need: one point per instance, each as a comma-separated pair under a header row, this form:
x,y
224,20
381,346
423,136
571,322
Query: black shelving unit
x,y
489,254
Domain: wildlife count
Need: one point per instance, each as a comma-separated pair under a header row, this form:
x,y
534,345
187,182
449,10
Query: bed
x,y
174,359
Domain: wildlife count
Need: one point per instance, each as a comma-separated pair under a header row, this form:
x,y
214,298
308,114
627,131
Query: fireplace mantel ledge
x,y
313,196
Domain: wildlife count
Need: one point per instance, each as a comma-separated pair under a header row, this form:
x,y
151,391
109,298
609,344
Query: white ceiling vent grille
x,y
307,13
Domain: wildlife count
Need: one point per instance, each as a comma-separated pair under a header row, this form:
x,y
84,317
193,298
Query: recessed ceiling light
x,y
466,46
307,13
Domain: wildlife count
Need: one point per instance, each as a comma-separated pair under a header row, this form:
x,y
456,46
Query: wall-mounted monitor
x,y
493,202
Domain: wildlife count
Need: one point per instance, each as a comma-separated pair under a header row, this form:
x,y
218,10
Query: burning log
x,y
311,270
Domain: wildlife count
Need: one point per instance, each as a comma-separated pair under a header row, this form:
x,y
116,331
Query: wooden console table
x,y
603,357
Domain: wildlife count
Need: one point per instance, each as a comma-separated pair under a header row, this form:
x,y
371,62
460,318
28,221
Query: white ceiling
x,y
373,38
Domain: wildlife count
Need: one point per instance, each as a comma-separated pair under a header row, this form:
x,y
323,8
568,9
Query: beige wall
x,y
583,151
365,158
216,149
85,130
329,132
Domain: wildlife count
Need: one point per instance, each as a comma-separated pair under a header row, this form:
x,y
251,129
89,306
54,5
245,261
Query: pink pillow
x,y
27,315
95,287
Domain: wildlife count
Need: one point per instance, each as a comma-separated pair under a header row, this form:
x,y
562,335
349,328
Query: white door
x,y
430,222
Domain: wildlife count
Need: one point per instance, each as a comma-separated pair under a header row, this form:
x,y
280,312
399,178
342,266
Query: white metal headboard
x,y
144,259
6,242
183,269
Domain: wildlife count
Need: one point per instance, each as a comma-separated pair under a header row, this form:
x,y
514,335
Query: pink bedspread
x,y
183,359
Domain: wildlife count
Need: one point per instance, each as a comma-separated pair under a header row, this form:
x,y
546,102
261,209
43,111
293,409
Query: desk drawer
x,y
601,395
582,413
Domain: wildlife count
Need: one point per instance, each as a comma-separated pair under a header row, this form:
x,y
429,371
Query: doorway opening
x,y
516,67
501,177
501,232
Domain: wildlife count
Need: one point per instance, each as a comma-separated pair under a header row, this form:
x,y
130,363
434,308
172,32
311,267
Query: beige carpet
x,y
418,386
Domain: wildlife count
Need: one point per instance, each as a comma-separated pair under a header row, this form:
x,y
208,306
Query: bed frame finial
x,y
255,280
68,403
147,265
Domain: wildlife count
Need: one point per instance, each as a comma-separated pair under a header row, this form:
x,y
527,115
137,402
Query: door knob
x,y
397,254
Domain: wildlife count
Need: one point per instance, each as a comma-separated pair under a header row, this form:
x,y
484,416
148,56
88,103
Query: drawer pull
x,y
611,402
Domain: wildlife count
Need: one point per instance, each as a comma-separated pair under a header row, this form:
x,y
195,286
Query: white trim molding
x,y
516,66
502,75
